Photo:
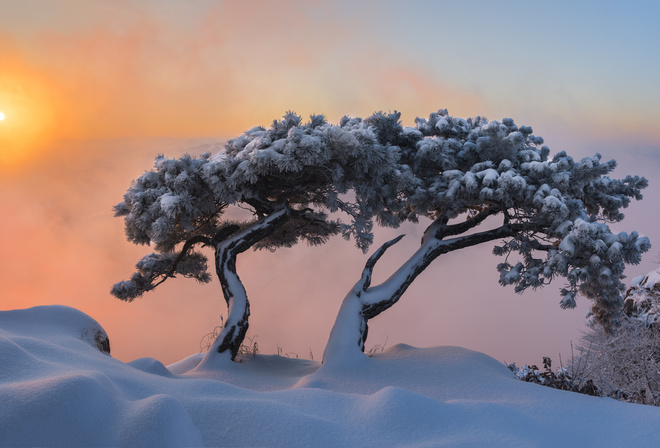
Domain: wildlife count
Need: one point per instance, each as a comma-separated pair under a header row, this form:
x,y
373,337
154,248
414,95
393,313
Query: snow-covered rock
x,y
642,301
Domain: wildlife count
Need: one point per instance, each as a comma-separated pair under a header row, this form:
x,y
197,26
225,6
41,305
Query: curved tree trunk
x,y
233,333
364,302
238,307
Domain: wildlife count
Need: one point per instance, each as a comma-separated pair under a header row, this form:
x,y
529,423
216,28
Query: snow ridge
x,y
60,390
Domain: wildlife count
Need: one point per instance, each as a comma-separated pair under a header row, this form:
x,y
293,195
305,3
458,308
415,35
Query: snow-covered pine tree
x,y
549,214
289,176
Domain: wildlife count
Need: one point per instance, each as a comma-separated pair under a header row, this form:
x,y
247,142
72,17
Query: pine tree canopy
x,y
551,212
310,169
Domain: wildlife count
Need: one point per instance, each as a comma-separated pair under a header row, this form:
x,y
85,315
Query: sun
x,y
2,116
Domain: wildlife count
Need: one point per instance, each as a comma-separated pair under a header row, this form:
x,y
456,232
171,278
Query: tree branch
x,y
457,229
462,242
184,250
398,283
365,280
536,245
262,207
261,229
219,208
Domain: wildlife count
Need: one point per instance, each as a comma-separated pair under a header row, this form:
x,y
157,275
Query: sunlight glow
x,y
31,103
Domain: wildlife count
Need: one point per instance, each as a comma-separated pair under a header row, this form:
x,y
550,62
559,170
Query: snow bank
x,y
58,389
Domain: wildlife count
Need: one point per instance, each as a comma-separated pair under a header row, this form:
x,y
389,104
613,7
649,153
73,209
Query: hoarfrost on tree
x,y
288,176
549,216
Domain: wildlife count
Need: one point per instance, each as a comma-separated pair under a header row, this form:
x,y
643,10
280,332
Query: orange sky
x,y
92,91
130,73
148,68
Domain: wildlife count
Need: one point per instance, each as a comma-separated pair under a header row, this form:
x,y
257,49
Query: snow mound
x,y
59,389
150,365
58,323
186,364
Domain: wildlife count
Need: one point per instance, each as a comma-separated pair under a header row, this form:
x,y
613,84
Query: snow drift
x,y
58,388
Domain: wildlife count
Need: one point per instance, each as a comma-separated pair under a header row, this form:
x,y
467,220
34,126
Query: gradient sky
x,y
92,91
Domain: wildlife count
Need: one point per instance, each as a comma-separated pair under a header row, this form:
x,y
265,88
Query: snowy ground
x,y
58,389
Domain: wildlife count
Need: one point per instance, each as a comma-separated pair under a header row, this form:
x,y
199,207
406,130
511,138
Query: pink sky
x,y
92,91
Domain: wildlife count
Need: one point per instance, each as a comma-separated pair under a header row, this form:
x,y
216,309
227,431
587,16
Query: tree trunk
x,y
230,338
364,302
238,307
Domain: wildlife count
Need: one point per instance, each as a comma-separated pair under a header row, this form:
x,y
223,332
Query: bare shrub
x,y
378,348
248,348
624,365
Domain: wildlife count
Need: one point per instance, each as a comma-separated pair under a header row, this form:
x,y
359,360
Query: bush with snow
x,y
626,363
642,301
562,379
623,364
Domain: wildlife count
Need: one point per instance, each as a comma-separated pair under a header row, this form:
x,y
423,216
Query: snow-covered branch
x,y
367,272
468,224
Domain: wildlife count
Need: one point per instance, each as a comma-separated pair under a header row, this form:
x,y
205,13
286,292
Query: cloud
x,y
139,75
411,90
225,69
